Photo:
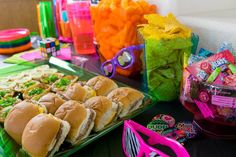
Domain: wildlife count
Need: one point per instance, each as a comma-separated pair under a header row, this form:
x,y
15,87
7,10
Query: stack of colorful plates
x,y
14,40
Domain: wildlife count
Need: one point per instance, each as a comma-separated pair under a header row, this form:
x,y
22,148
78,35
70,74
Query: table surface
x,y
110,144
2,57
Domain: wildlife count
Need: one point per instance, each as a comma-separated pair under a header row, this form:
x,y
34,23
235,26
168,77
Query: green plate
x,y
8,148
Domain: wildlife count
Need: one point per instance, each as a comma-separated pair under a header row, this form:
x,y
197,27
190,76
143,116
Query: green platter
x,y
8,147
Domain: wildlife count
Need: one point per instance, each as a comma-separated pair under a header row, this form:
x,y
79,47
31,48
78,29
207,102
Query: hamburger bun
x,y
75,92
105,109
128,99
80,119
43,135
102,85
51,101
19,116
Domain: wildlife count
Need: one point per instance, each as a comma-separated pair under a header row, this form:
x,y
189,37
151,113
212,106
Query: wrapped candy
x,y
230,80
226,46
205,53
202,69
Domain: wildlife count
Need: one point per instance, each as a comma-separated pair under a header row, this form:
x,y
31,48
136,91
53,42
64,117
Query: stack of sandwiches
x,y
68,113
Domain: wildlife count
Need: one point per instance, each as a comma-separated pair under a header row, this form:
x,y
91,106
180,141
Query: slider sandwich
x,y
19,116
35,92
43,135
51,101
39,72
22,87
63,83
127,98
78,93
102,85
51,78
105,109
80,119
4,93
6,104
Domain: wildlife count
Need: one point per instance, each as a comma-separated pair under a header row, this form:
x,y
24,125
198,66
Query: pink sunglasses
x,y
134,145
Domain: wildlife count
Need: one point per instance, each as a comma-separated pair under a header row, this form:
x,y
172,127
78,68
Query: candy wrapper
x,y
167,48
203,69
205,53
226,46
166,126
232,68
230,80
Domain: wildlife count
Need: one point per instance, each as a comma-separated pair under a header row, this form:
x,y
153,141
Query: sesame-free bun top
x,y
75,92
76,115
105,111
127,98
18,117
40,135
51,101
102,85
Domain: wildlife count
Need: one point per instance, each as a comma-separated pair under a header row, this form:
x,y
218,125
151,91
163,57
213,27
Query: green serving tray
x,y
8,147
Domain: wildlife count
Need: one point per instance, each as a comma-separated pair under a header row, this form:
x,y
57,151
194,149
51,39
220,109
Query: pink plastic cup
x,y
81,26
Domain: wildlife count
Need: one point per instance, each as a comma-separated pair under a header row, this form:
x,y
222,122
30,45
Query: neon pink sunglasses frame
x,y
154,138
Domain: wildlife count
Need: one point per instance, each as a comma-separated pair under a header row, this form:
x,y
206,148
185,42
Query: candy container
x,y
115,27
209,92
212,105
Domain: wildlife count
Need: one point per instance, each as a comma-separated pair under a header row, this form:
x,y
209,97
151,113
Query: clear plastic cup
x,y
81,26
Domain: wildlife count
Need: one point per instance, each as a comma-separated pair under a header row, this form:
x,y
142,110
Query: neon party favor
x,y
124,59
135,146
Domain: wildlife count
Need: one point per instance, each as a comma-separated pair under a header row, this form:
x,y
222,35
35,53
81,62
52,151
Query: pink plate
x,y
13,34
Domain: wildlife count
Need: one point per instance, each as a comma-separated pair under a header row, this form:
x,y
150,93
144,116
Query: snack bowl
x,y
213,106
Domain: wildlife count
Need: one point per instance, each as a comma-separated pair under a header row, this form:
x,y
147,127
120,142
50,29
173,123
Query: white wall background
x,y
184,7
